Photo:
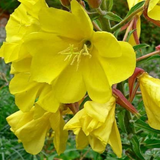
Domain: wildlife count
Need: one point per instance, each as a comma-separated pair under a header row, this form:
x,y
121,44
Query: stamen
x,y
74,54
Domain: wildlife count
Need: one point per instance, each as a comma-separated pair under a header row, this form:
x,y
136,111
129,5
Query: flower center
x,y
73,54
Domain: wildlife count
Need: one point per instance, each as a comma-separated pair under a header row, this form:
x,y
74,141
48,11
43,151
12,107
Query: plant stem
x,y
148,55
125,20
96,26
104,22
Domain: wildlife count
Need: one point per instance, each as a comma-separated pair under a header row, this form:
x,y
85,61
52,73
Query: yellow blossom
x,y
150,88
154,9
96,125
23,21
74,58
32,127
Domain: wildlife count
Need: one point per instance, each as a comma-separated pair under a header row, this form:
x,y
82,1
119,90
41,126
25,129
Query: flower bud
x,y
94,3
65,3
122,101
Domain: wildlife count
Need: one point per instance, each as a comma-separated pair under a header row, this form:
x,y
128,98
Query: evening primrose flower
x,y
154,9
74,58
32,127
96,125
26,92
22,21
150,88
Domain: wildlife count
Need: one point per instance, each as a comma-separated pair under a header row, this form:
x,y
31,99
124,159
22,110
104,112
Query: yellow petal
x,y
115,140
46,67
60,136
115,68
150,88
106,45
25,92
82,16
152,4
32,135
94,109
96,144
48,101
154,13
21,66
19,119
96,82
65,24
70,87
103,132
81,140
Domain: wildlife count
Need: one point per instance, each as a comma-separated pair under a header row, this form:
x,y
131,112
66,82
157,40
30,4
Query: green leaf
x,y
145,126
121,121
140,46
152,143
136,148
134,8
112,16
109,4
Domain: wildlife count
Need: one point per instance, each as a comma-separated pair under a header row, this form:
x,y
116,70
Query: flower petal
x,y
60,136
82,16
25,92
69,86
46,67
106,44
155,13
115,140
150,88
65,24
119,69
19,119
95,80
33,134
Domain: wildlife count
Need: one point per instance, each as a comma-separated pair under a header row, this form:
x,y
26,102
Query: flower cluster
x,y
58,58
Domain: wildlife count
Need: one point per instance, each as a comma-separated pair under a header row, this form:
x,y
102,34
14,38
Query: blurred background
x,y
10,149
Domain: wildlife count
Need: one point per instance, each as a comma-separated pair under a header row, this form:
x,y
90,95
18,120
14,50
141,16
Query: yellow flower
x,y
96,125
74,58
150,88
32,127
26,92
23,21
154,9
136,24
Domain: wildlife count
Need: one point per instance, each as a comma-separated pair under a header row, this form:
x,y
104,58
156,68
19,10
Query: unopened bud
x,y
133,78
94,3
65,3
122,101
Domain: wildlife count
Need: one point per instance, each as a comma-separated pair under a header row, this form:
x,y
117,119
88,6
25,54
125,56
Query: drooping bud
x,y
65,3
94,3
122,101
133,78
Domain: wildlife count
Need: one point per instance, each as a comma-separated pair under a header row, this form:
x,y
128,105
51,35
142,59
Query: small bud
x,y
122,101
65,3
158,48
133,78
94,3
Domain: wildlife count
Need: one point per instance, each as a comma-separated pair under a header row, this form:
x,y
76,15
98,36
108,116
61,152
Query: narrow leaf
x,y
112,16
134,8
